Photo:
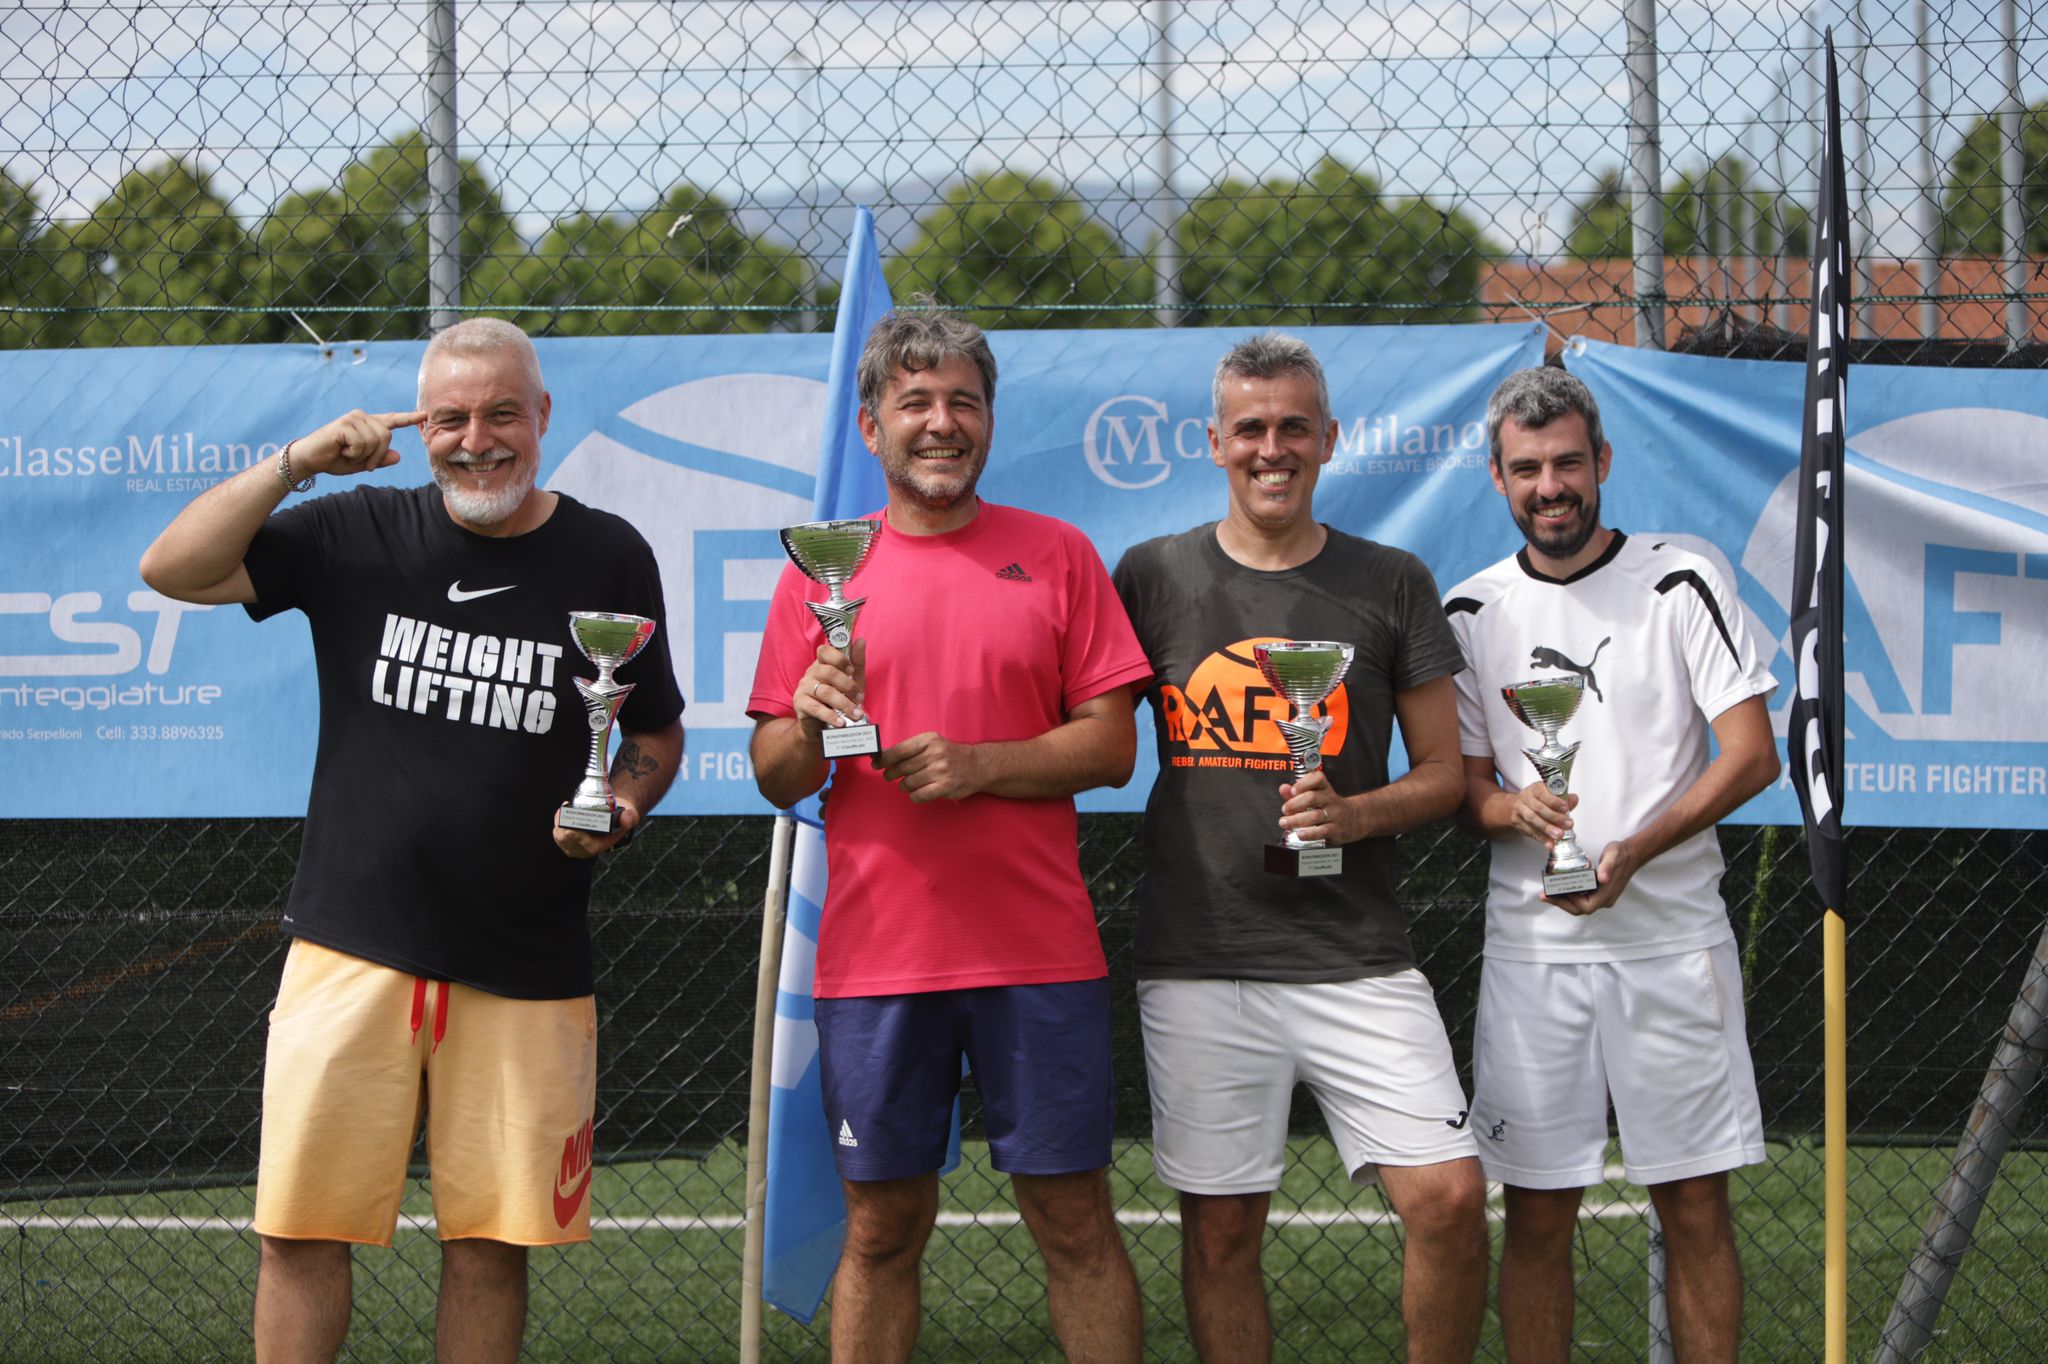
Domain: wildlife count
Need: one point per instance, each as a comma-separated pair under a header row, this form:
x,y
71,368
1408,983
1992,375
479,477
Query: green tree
x,y
1718,208
25,272
1973,203
1327,248
689,250
161,239
363,246
1006,245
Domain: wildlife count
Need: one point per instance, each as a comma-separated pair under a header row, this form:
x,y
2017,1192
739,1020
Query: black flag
x,y
1813,738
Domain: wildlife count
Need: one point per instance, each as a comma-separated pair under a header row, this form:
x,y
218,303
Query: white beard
x,y
480,508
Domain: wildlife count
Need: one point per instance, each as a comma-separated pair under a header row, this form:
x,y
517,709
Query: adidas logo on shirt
x,y
846,1137
1014,573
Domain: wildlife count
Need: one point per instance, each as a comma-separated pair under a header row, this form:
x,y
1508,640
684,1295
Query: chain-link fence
x,y
188,172
291,170
143,957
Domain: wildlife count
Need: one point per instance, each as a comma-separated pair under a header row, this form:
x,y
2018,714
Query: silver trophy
x,y
831,552
1544,704
1305,672
609,641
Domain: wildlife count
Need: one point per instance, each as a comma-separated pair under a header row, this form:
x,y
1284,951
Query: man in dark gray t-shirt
x,y
1249,982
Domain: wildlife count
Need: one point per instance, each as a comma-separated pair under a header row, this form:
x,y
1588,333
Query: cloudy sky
x,y
1506,108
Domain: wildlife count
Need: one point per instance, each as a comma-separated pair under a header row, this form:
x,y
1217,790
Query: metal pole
x,y
1930,209
2013,171
2014,1068
1166,279
444,250
1861,277
1661,1350
1646,173
774,913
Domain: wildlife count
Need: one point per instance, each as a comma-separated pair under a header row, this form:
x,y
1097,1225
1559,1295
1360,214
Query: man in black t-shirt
x,y
441,958
1248,982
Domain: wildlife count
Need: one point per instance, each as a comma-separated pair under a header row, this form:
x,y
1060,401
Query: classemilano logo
x,y
159,461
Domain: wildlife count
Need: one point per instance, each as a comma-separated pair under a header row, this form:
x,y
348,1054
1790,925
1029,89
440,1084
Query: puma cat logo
x,y
1541,657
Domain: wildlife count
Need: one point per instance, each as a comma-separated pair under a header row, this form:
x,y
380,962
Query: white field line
x,y
1305,1217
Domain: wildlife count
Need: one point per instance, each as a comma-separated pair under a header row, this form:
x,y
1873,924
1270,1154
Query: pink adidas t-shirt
x,y
992,632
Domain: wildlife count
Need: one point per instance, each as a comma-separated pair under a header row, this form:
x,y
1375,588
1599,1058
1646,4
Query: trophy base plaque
x,y
852,741
1570,882
589,821
1282,860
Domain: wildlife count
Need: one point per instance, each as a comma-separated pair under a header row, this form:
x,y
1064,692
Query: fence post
x,y
1646,174
2014,1068
774,911
1166,261
444,249
2013,173
1659,1307
1930,211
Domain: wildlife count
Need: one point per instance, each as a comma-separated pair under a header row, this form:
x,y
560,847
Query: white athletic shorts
x,y
1222,1058
1662,1037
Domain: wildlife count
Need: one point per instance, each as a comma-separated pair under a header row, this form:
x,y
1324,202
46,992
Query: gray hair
x,y
482,336
1270,356
907,342
1535,398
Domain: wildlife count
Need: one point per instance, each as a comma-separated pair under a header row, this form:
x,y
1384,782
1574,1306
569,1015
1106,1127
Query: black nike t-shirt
x,y
451,728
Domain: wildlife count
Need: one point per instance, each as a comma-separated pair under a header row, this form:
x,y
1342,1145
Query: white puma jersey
x,y
1656,635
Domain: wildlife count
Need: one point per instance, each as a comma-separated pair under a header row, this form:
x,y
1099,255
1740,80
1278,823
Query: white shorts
x,y
1663,1037
1223,1056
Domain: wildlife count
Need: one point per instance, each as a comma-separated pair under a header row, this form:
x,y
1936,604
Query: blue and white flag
x,y
805,1219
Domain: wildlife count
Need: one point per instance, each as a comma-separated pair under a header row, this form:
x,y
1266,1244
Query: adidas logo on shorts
x,y
846,1137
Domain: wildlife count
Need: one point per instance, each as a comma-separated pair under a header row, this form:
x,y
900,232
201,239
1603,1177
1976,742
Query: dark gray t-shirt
x,y
1207,907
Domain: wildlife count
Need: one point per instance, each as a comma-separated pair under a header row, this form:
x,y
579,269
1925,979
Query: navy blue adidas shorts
x,y
890,1067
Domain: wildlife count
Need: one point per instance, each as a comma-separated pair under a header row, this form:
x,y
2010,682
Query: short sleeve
x,y
1132,579
289,554
656,699
1428,648
1473,739
786,648
1099,651
1720,656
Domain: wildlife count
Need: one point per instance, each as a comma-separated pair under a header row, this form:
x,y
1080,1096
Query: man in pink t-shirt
x,y
998,664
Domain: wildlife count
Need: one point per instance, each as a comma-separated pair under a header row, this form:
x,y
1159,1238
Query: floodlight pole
x,y
1930,212
1166,259
1646,174
2013,172
444,249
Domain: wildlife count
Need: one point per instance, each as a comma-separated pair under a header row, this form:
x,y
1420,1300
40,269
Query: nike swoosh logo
x,y
455,592
565,1208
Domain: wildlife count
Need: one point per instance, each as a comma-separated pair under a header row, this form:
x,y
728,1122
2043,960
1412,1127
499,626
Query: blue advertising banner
x,y
115,701
1945,573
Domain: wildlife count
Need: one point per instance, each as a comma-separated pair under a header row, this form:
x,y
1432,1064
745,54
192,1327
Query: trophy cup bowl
x,y
830,553
1546,704
1305,672
609,641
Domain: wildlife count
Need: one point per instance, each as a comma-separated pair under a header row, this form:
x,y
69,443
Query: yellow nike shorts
x,y
359,1052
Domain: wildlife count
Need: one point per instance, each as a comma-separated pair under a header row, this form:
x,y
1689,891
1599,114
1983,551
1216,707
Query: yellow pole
x,y
1834,990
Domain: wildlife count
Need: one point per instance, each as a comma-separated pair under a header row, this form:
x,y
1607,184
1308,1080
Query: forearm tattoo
x,y
633,761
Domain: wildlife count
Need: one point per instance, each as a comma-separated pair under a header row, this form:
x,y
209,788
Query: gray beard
x,y
481,508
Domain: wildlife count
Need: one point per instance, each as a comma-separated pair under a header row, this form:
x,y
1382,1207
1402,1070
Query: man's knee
x,y
1070,1216
304,1259
1541,1219
890,1220
1694,1212
475,1260
1221,1232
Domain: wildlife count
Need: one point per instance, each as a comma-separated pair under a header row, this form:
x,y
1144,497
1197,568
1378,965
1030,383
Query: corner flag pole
x,y
1813,736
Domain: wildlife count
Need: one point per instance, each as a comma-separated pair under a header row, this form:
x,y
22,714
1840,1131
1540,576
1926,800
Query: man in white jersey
x,y
1631,991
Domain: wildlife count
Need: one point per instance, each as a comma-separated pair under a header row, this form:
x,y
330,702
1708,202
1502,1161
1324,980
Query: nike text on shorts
x,y
1662,1036
358,1052
890,1069
1223,1056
